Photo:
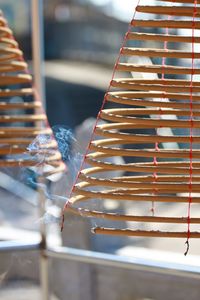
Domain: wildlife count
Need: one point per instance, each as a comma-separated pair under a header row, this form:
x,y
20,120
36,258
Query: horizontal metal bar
x,y
11,246
129,263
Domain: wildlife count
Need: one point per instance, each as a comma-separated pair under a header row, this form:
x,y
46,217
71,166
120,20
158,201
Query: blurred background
x,y
79,59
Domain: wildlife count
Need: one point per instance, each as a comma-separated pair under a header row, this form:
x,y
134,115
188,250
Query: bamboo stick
x,y
18,79
162,37
159,69
21,149
145,153
142,233
142,168
137,102
172,164
20,92
8,41
165,82
145,178
130,218
13,66
159,53
159,187
155,95
117,196
24,141
173,87
112,116
21,132
169,10
50,158
22,118
2,21
7,54
5,32
181,1
150,111
144,138
20,105
185,24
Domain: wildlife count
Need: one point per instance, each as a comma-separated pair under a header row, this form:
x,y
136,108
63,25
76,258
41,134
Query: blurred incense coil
x,y
22,120
154,125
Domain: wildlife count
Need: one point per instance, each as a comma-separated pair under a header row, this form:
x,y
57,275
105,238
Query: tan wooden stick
x,y
113,97
22,118
5,31
172,187
160,95
166,10
13,66
23,105
162,37
8,41
134,85
10,132
165,24
180,1
111,116
128,218
143,168
142,233
158,53
85,195
144,138
159,69
149,111
7,54
145,178
145,153
2,21
166,82
10,80
20,92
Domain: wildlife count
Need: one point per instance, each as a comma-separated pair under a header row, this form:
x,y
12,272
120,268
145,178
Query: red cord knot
x,y
127,35
155,176
111,84
157,147
106,95
115,66
121,50
192,72
155,162
190,188
133,23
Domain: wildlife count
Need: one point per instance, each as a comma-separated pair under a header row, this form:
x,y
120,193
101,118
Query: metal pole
x,y
38,70
44,276
38,48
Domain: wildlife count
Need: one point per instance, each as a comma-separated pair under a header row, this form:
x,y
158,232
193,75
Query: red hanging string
x,y
98,116
191,131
